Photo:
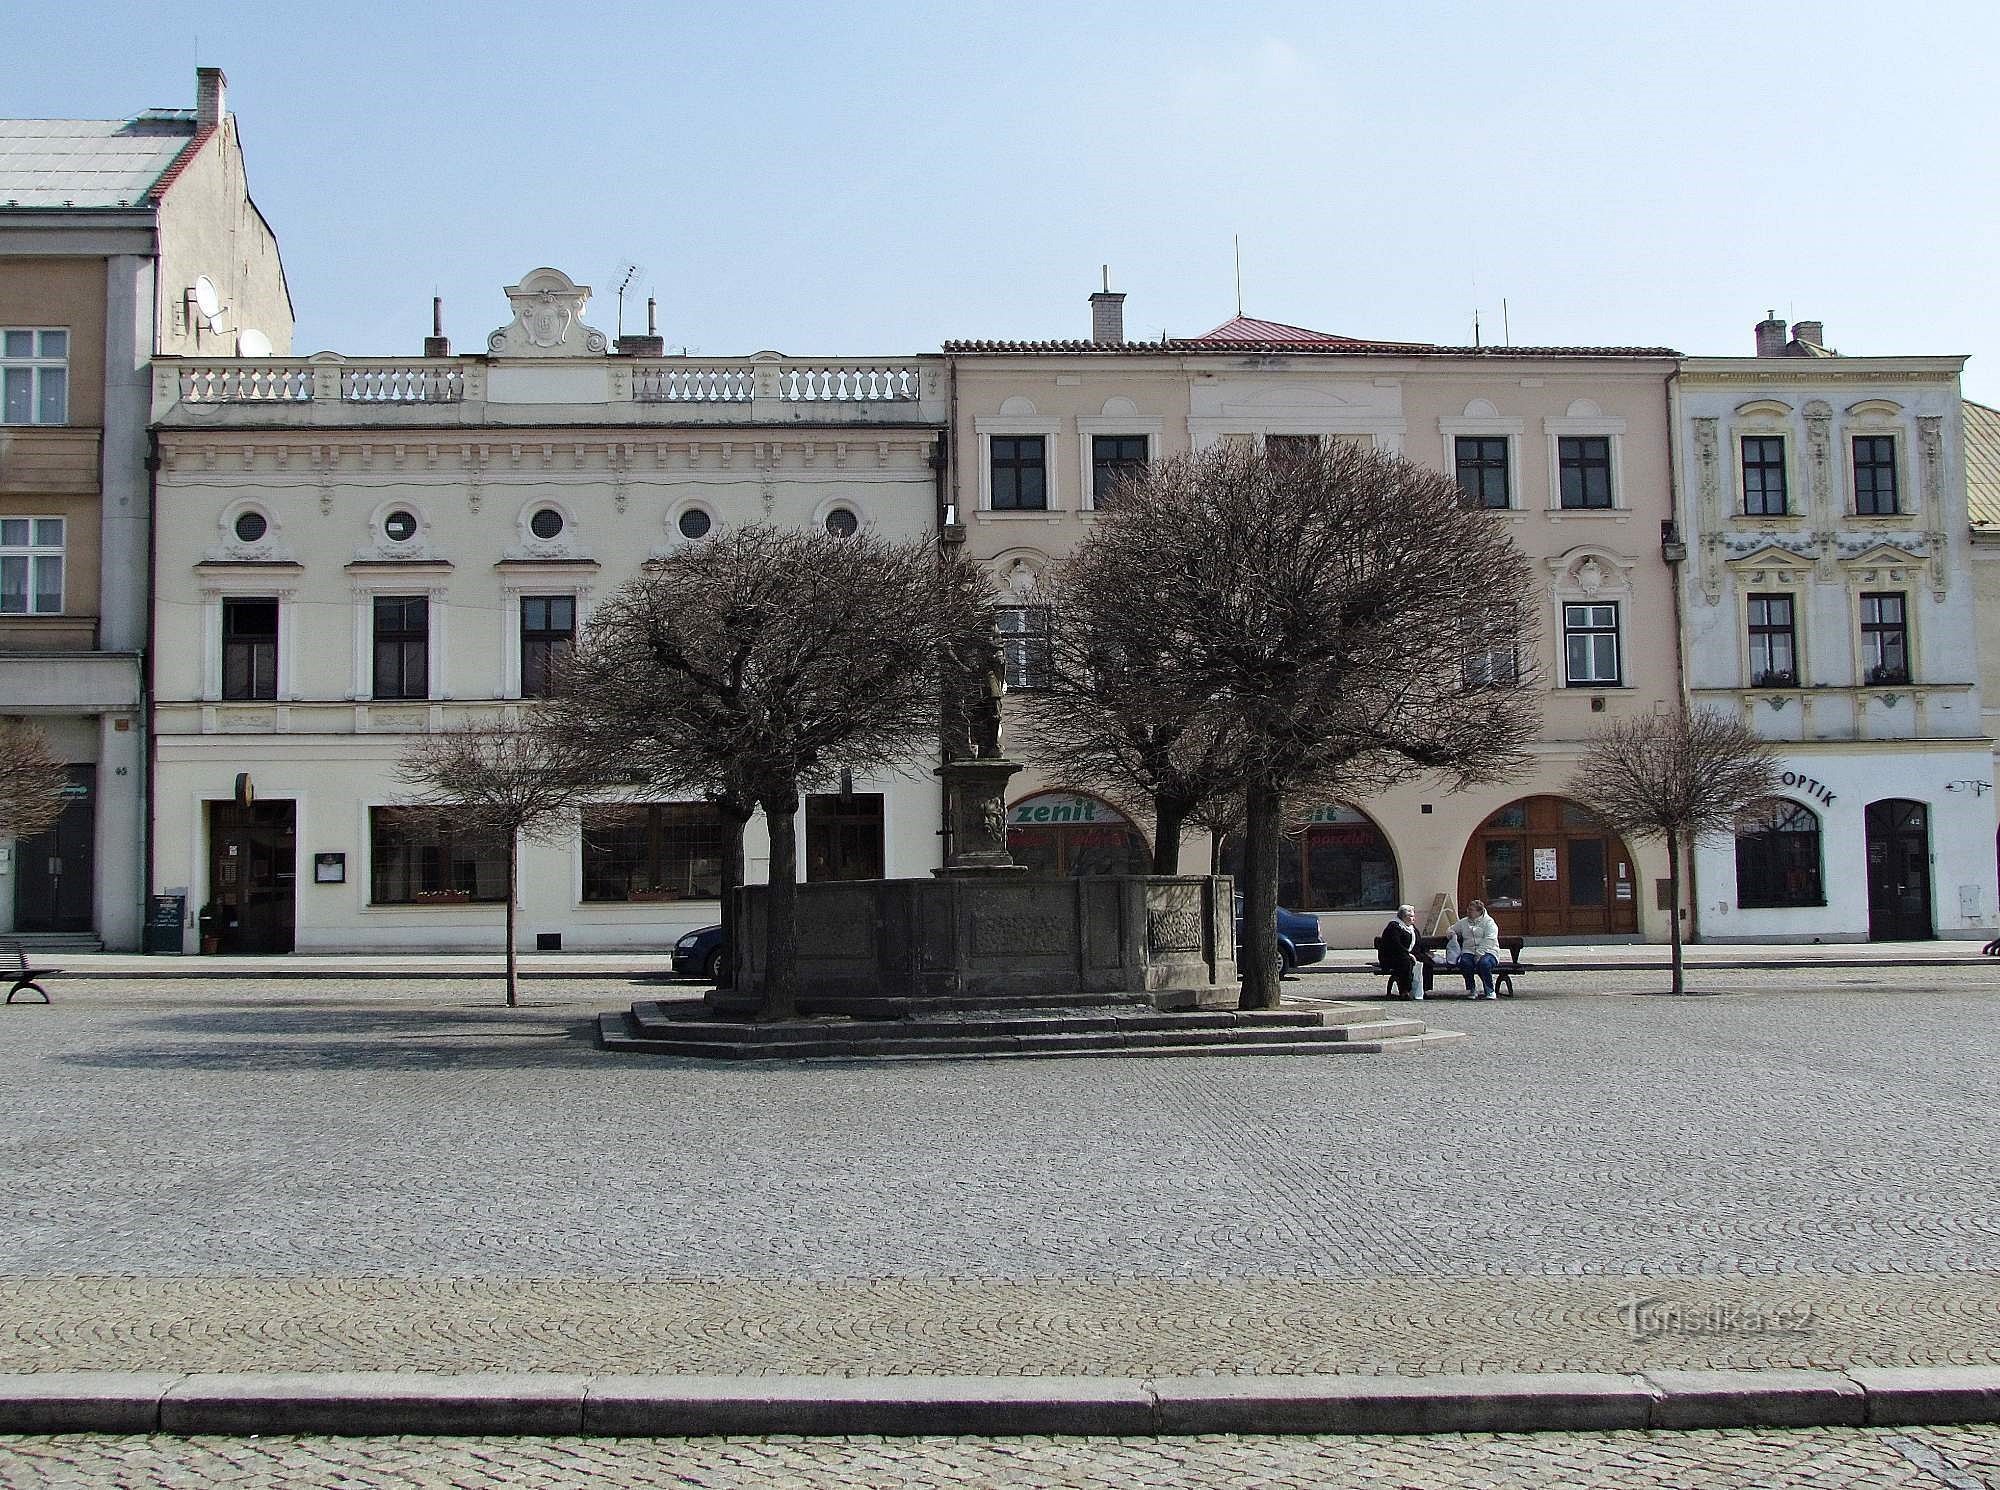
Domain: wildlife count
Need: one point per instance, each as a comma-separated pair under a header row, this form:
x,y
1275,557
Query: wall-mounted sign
x,y
1799,781
1545,864
329,869
1061,807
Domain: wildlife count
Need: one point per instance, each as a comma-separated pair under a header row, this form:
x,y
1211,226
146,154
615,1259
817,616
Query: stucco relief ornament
x,y
1589,578
548,319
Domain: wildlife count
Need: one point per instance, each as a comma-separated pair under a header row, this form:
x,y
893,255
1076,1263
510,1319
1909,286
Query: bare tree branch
x,y
32,779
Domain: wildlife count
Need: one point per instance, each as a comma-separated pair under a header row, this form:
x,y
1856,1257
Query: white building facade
x,y
354,552
1827,601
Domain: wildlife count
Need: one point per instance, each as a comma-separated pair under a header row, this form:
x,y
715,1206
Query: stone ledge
x,y
541,1405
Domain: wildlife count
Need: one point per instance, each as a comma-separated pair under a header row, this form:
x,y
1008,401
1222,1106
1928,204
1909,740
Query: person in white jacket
x,y
1478,947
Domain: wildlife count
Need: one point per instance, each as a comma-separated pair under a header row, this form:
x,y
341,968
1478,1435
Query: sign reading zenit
x,y
1059,807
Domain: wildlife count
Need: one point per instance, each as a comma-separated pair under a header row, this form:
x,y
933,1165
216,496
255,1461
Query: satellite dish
x,y
250,342
206,300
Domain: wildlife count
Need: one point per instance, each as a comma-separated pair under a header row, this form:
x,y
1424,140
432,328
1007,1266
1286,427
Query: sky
x,y
877,178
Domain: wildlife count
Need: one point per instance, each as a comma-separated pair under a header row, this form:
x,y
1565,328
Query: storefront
x,y
1334,859
1065,834
1863,842
1546,868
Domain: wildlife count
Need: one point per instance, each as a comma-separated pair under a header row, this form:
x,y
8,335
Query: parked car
x,y
1298,936
699,954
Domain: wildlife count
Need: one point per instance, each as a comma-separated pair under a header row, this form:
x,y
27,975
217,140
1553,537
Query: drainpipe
x,y
146,810
951,540
1673,548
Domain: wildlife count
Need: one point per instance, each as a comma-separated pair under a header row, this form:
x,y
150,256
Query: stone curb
x,y
369,1403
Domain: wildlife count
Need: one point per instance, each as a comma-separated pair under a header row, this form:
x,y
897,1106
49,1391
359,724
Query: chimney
x,y
1811,332
211,96
1771,335
652,344
436,344
1107,314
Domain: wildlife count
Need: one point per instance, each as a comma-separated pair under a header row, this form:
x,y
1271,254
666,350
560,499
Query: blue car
x,y
699,954
1299,941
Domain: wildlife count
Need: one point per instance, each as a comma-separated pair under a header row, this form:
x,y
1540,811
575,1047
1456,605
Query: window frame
x,y
34,366
1767,631
232,643
1615,631
1485,465
1767,879
448,841
1118,466
538,645
1585,463
1027,652
34,556
1765,467
684,828
403,639
1017,463
1876,465
1881,674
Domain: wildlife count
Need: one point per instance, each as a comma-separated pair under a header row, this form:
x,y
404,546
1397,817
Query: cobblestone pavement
x,y
297,1176
1822,1459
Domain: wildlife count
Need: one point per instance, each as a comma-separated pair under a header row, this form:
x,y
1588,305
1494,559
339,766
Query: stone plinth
x,y
975,794
883,947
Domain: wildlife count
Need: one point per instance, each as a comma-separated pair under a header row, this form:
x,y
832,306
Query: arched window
x,y
1336,860
1777,856
1059,834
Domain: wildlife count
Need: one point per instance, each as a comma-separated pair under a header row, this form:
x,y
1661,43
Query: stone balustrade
x,y
259,381
432,382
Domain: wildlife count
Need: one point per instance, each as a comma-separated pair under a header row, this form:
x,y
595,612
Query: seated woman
x,y
1397,947
1478,947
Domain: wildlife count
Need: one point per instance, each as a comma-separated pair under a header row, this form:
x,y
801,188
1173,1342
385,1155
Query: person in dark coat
x,y
1398,944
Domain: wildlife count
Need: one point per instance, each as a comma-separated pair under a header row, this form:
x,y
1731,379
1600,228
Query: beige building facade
x,y
1567,446
118,239
356,551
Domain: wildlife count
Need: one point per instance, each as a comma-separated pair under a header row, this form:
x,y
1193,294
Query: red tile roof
x,y
1249,328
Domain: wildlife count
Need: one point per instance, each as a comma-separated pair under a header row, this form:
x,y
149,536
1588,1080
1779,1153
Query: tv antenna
x,y
626,272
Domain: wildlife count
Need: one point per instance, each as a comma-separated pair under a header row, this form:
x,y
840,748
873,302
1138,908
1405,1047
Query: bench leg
x,y
24,983
1503,984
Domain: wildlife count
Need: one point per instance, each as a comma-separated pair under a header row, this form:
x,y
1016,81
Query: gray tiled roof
x,y
1982,465
88,162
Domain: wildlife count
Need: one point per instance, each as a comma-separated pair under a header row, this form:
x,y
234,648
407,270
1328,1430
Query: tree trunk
x,y
1258,955
1674,895
513,958
781,912
1169,821
735,817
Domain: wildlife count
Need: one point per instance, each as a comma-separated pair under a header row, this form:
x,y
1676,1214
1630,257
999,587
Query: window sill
x,y
1029,514
1796,905
1556,513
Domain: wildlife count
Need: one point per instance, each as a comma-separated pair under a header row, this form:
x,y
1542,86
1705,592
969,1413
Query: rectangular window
x,y
1020,473
1290,447
844,837
1585,462
548,626
1875,475
1774,659
662,851
34,376
1885,639
1764,475
1482,469
1024,644
249,648
1494,660
1112,458
418,856
1590,645
402,646
31,566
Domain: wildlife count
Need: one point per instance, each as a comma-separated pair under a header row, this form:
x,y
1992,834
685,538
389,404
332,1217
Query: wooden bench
x,y
14,964
1510,966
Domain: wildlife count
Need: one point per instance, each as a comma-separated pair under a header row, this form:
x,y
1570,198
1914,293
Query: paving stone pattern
x,y
1822,1459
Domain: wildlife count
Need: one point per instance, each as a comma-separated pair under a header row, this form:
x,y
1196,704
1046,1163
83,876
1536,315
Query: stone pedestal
x,y
975,794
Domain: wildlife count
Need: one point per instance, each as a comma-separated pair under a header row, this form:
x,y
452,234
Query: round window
x,y
546,523
694,523
400,526
842,523
250,526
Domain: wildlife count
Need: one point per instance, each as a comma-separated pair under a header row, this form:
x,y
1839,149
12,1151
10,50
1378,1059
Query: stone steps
x,y
663,1029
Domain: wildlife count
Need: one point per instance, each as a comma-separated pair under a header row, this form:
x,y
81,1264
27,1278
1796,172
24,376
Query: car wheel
x,y
711,969
1287,963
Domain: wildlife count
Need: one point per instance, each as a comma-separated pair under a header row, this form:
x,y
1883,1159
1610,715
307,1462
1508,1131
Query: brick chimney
x,y
1771,335
1812,332
1107,313
211,96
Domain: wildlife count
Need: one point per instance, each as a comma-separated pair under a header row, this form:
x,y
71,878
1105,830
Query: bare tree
x,y
1341,613
1679,777
32,779
755,665
509,781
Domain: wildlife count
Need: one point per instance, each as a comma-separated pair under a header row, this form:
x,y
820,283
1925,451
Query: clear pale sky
x,y
879,177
